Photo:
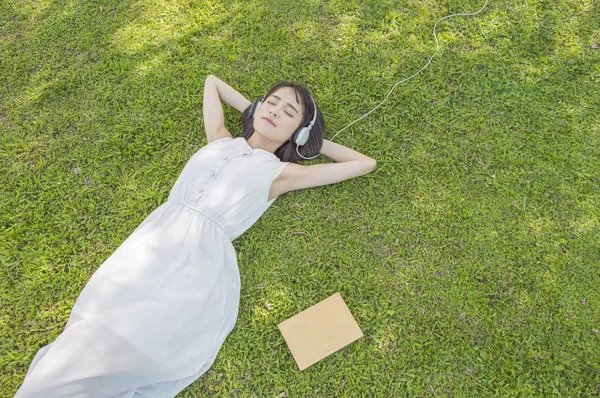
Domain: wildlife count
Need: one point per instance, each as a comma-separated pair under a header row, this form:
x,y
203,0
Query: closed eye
x,y
286,112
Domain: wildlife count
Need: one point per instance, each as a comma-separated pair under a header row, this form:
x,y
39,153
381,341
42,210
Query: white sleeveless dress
x,y
153,317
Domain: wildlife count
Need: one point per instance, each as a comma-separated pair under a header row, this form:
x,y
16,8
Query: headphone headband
x,y
314,118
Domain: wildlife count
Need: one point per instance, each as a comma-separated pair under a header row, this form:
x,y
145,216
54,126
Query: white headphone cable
x,y
400,82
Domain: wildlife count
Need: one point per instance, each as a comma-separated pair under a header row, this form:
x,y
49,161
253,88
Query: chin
x,y
270,133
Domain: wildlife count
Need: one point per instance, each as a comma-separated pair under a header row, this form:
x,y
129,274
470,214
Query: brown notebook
x,y
319,331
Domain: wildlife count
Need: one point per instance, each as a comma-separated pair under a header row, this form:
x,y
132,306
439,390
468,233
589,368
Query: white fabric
x,y
154,315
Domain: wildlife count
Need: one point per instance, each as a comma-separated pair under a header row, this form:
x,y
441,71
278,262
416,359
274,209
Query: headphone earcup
x,y
254,108
301,135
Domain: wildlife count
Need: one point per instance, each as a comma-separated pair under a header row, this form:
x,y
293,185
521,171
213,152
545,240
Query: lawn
x,y
470,257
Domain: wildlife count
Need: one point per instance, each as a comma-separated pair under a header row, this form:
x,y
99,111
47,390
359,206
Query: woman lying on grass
x,y
153,317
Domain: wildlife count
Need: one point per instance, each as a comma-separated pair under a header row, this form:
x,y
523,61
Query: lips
x,y
269,121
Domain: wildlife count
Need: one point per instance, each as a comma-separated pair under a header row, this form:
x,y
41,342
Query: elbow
x,y
371,164
367,166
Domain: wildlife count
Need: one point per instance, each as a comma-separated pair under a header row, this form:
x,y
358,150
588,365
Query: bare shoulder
x,y
220,133
295,176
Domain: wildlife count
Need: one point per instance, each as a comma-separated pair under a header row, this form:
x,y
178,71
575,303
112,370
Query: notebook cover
x,y
320,331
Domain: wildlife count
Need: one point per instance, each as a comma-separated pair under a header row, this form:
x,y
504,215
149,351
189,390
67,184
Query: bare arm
x,y
216,92
349,164
340,153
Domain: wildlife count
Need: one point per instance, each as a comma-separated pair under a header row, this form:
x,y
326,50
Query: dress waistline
x,y
204,213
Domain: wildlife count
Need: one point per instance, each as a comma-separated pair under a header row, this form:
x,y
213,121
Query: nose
x,y
275,109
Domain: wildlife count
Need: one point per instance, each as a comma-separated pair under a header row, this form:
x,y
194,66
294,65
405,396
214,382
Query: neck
x,y
257,141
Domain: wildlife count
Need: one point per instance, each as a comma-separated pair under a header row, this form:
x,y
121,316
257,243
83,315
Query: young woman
x,y
153,317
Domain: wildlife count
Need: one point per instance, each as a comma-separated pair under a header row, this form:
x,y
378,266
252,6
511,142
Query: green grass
x,y
470,257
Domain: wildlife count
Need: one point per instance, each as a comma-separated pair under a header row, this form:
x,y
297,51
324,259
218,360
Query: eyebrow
x,y
273,95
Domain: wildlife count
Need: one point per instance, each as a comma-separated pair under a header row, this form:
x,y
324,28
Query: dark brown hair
x,y
287,151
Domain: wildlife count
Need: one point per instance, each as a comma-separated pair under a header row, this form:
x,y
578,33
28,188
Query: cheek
x,y
294,124
291,127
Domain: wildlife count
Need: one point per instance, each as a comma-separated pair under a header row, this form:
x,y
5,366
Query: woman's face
x,y
279,115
